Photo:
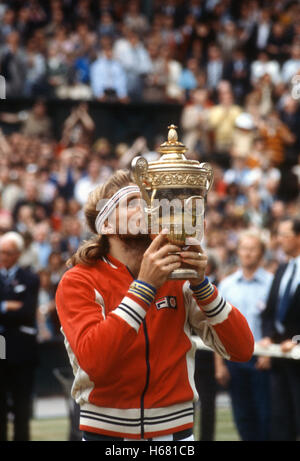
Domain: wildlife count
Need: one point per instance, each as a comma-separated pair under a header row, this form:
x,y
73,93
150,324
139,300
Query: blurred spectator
x,y
194,123
237,72
261,31
134,19
108,78
214,67
276,136
130,52
46,307
35,83
228,39
292,65
18,304
96,174
249,382
221,122
13,65
7,23
281,323
262,66
189,75
31,199
243,136
35,122
79,127
41,233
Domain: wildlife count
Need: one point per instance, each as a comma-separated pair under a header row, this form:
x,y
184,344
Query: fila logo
x,y
167,301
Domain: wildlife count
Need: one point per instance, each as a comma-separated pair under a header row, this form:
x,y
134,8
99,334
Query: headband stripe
x,y
112,203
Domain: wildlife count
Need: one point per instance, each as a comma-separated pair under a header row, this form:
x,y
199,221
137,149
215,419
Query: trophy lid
x,y
172,170
172,145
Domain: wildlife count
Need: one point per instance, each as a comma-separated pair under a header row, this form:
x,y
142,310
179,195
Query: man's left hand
x,y
196,258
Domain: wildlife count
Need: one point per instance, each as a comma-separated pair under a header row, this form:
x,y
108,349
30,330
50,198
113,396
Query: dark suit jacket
x,y
291,321
18,326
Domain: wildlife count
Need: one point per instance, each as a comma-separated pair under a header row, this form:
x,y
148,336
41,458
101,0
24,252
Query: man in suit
x,y
18,303
281,323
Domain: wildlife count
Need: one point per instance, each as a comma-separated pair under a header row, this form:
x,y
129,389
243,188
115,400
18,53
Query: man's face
x,y
9,254
130,217
249,252
287,238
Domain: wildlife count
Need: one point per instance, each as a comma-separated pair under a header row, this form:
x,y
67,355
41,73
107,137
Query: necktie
x,y
285,299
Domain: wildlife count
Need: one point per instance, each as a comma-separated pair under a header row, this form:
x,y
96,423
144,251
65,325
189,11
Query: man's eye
x,y
133,203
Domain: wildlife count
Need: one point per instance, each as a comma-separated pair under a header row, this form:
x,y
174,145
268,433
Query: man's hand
x,y
195,257
13,305
158,261
287,345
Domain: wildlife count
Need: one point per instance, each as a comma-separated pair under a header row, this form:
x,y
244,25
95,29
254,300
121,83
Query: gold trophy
x,y
173,189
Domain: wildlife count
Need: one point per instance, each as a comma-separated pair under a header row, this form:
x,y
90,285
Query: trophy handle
x,y
139,167
210,175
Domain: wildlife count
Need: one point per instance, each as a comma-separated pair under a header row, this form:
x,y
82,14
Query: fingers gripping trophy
x,y
173,190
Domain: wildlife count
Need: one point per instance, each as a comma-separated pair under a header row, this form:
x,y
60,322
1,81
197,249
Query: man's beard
x,y
135,242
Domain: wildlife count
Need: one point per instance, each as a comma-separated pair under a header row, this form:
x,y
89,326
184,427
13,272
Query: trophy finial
x,y
172,146
172,135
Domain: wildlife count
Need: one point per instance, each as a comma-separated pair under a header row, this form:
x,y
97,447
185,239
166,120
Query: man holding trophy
x,y
134,296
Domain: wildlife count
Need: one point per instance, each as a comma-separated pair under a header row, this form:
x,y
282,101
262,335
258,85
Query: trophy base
x,y
183,274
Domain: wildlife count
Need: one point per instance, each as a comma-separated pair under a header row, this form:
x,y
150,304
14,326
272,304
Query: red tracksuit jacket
x,y
132,350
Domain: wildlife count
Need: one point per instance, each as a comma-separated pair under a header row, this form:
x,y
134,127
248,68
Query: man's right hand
x,y
158,261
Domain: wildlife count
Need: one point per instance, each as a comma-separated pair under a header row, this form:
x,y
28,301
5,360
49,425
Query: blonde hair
x,y
97,246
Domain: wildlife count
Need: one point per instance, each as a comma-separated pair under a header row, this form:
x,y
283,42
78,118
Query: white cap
x,y
245,121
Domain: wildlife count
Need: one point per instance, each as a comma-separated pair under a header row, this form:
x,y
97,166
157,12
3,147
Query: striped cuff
x,y
134,306
143,291
203,291
211,302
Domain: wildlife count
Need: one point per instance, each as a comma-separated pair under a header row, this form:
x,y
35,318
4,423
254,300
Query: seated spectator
x,y
108,78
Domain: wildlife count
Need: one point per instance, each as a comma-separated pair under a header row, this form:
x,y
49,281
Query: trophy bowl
x,y
173,190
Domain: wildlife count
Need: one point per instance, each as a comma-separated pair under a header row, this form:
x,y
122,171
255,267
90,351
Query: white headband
x,y
111,204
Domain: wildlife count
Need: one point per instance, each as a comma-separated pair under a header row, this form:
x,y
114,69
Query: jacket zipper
x,y
147,378
147,372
